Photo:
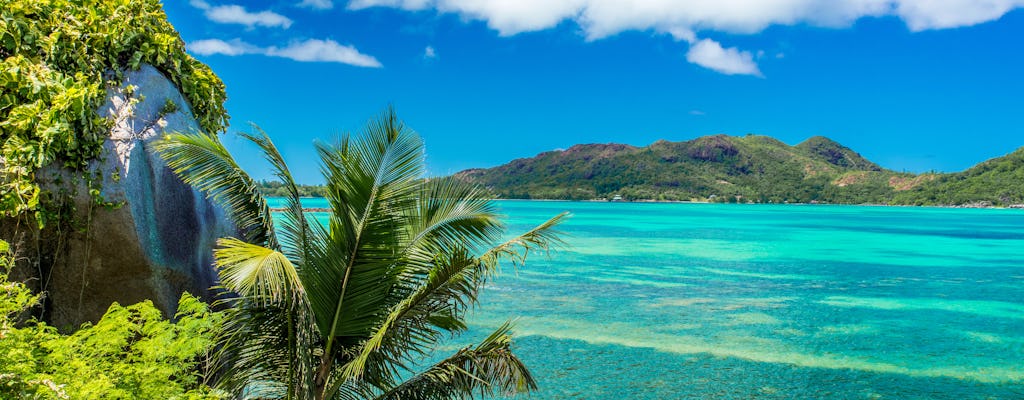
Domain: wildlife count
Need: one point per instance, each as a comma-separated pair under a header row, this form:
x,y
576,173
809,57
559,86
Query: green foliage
x,y
56,59
751,169
350,309
999,181
131,353
836,154
278,189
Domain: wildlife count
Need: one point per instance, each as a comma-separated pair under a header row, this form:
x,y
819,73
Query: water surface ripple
x,y
665,301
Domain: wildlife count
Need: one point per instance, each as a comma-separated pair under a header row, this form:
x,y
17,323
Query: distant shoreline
x,y
966,207
974,207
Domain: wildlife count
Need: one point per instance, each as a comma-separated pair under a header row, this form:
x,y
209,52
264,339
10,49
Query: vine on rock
x,y
57,57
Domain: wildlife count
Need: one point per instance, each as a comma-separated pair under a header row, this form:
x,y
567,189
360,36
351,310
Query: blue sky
x,y
914,85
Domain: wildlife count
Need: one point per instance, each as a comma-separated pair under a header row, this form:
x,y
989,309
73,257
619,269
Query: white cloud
x,y
429,52
932,14
324,51
317,4
697,112
682,34
601,18
508,17
235,14
731,61
312,50
235,47
410,5
238,15
681,19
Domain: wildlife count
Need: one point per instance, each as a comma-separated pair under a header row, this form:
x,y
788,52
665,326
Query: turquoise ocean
x,y
678,301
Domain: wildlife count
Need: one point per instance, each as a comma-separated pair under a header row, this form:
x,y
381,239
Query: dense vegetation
x,y
350,308
57,57
717,168
999,181
131,353
753,168
278,189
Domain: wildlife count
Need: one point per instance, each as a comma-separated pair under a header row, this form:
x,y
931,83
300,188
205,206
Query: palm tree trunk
x,y
322,374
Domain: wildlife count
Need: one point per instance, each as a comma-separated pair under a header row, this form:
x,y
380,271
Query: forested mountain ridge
x,y
749,168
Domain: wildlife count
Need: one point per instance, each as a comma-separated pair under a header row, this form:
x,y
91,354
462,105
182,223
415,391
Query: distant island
x,y
745,169
278,189
737,169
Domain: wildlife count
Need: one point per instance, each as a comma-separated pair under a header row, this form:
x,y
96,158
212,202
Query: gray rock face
x,y
159,242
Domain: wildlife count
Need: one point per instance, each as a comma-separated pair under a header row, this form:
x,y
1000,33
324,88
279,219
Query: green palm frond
x,y
294,228
270,322
267,352
346,309
488,369
440,302
371,185
451,214
415,324
541,238
450,217
266,276
201,160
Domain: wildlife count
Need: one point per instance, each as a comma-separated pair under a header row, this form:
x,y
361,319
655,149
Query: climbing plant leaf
x,y
57,59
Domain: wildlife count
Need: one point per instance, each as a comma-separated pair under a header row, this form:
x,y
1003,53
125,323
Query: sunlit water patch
x,y
667,301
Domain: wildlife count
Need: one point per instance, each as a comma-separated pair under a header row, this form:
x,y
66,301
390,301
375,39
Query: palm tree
x,y
352,309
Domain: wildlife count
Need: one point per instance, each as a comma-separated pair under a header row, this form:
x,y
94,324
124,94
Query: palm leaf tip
x,y
256,272
293,229
487,369
543,238
202,161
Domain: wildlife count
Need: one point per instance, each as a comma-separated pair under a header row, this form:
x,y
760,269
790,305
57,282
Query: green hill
x,y
836,154
999,181
751,168
720,168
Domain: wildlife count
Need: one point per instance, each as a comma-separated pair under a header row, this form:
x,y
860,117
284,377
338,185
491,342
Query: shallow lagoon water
x,y
656,301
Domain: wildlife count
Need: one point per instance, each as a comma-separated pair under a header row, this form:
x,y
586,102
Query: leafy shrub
x,y
131,353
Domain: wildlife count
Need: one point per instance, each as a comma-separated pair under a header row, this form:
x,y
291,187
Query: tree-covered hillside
x,y
723,168
719,168
278,189
999,181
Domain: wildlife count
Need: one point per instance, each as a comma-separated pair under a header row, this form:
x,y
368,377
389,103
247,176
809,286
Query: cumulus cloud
x,y
410,5
317,4
312,50
235,47
682,34
235,14
601,18
429,52
508,17
931,14
681,19
730,61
